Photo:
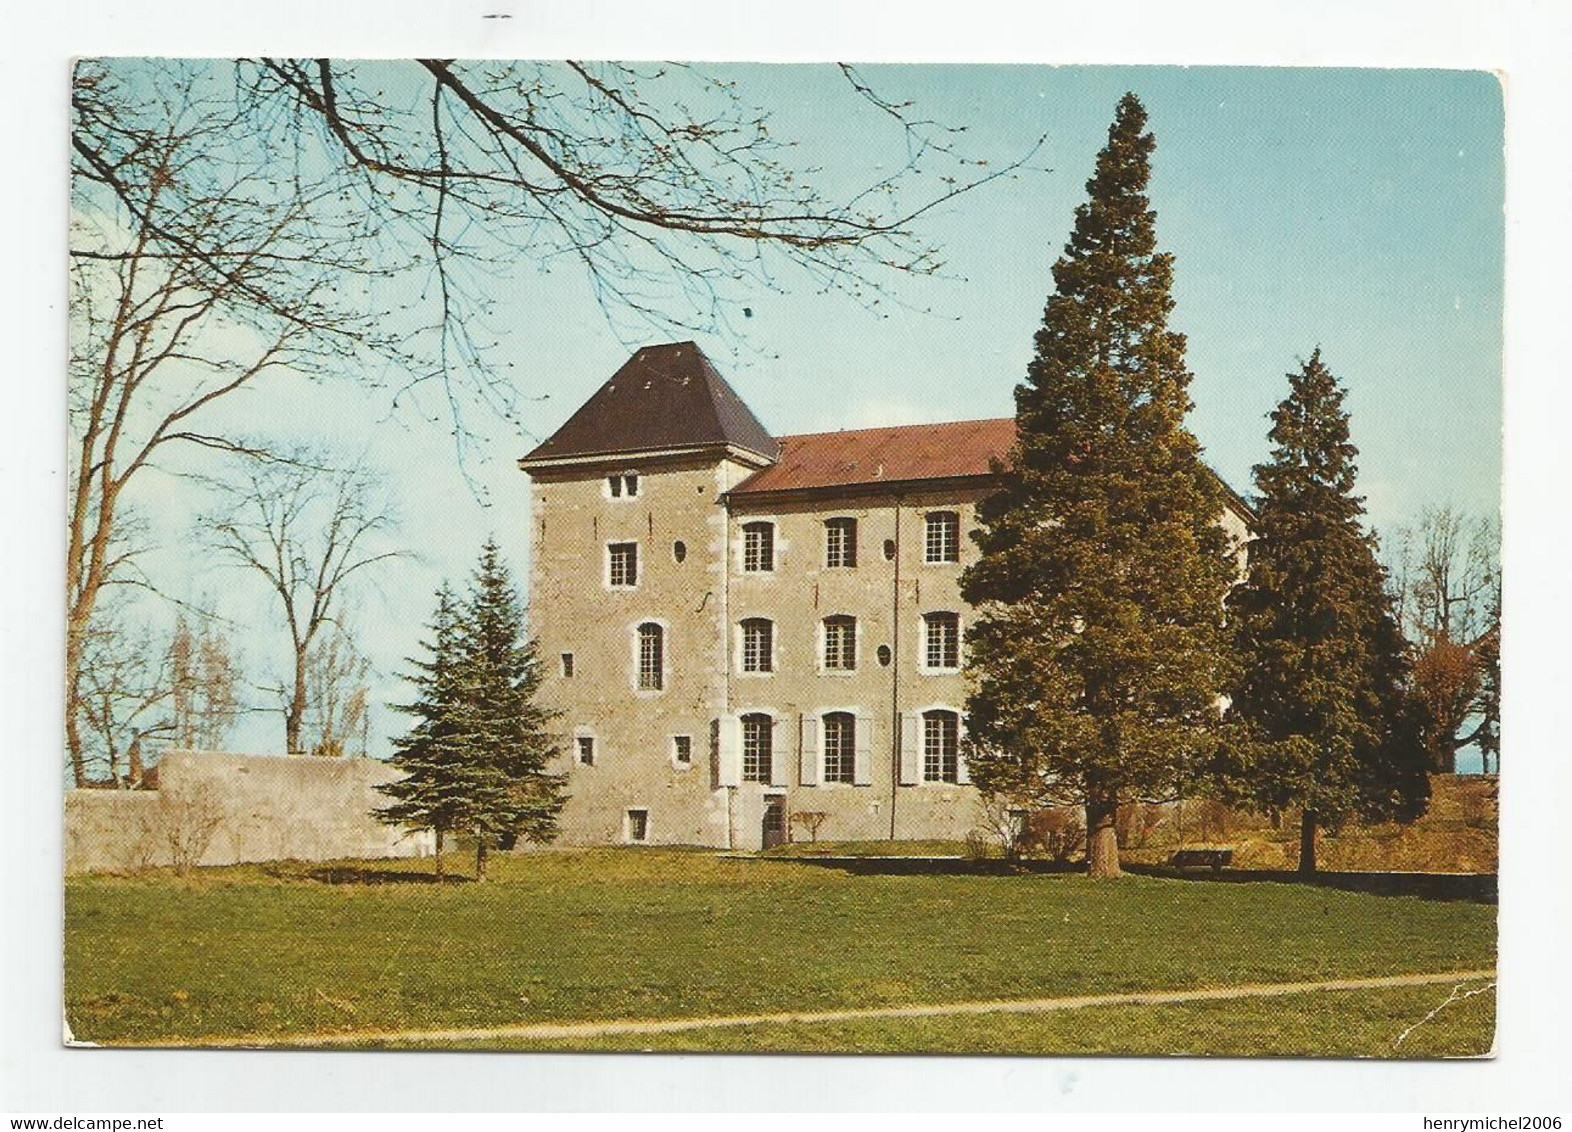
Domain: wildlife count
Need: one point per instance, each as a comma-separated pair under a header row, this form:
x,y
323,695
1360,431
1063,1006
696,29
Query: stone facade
x,y
663,721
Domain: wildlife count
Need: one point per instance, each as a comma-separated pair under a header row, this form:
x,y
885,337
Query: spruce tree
x,y
1323,718
435,757
1099,652
514,795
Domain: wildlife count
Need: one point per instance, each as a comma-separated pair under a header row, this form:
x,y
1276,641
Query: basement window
x,y
638,825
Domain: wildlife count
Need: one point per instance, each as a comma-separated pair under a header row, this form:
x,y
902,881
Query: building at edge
x,y
740,629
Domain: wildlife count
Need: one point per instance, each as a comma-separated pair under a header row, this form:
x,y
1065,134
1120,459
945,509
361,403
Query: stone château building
x,y
738,627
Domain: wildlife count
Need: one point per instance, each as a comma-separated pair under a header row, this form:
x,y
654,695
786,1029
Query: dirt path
x,y
548,1031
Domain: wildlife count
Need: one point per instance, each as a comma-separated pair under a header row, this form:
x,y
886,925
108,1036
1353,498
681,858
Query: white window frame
x,y
848,756
925,717
742,646
923,642
845,621
639,670
848,547
766,771
930,525
637,556
755,526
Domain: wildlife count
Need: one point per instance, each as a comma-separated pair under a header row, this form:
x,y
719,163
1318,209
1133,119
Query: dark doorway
x,y
774,821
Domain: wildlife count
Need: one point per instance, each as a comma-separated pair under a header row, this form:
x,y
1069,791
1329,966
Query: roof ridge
x,y
892,428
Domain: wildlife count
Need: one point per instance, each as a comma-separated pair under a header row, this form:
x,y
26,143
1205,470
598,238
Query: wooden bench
x,y
1214,859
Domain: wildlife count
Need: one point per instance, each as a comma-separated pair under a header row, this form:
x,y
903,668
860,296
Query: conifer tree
x,y
435,755
1099,652
514,796
1324,721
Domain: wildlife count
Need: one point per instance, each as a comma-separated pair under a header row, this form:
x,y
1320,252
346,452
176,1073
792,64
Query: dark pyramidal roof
x,y
666,396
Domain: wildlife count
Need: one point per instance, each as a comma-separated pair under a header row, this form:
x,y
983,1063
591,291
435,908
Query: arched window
x,y
941,641
652,656
942,537
840,746
840,542
758,747
840,643
758,547
758,645
941,746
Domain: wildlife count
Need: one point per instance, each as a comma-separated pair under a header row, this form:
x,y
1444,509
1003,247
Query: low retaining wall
x,y
217,809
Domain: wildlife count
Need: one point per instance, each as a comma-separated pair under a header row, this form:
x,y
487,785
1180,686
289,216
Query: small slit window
x,y
567,665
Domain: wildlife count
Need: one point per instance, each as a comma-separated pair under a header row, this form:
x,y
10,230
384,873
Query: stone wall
x,y
219,809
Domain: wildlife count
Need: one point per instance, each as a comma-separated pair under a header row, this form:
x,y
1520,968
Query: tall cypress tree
x,y
1099,651
514,795
434,755
1324,720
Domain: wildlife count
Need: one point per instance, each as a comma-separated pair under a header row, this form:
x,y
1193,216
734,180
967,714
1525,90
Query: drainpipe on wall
x,y
895,673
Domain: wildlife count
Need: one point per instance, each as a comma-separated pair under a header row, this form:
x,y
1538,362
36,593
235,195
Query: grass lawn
x,y
269,950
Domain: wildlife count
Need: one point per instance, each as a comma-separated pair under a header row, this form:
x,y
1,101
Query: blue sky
x,y
1360,211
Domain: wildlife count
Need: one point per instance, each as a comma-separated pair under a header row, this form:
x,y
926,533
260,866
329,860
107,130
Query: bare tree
x,y
307,530
123,698
1448,580
338,695
204,673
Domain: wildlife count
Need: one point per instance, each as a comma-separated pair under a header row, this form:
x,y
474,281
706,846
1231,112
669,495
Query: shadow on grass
x,y
1476,888
359,874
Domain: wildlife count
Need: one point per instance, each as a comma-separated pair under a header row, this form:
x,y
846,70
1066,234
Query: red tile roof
x,y
884,455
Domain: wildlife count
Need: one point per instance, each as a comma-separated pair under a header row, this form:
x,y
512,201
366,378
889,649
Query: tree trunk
x,y
480,858
295,716
439,853
74,739
1102,838
1307,832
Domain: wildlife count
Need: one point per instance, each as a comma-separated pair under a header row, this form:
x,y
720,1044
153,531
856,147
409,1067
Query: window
x,y
885,656
889,550
624,564
758,746
682,748
840,643
567,664
652,656
840,746
942,646
942,542
586,745
840,542
679,550
623,486
941,733
758,645
758,547
638,825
